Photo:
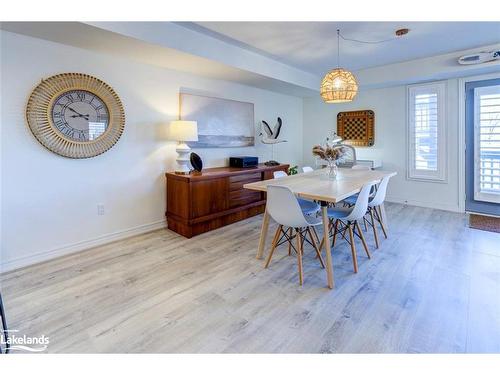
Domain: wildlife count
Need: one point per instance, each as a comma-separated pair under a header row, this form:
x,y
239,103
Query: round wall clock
x,y
75,115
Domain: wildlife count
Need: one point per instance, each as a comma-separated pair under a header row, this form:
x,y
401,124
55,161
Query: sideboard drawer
x,y
242,197
238,185
257,176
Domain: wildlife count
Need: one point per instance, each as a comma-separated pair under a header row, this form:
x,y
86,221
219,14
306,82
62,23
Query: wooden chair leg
x,y
315,245
290,234
375,234
273,246
299,256
335,230
364,223
303,239
379,214
363,240
317,238
318,242
353,248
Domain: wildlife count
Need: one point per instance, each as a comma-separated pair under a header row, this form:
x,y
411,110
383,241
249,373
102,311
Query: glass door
x,y
482,134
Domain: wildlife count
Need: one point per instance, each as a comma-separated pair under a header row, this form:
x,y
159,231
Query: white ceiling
x,y
312,46
136,44
294,59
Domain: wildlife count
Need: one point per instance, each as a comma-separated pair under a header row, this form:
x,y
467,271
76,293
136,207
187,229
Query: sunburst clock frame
x,y
75,115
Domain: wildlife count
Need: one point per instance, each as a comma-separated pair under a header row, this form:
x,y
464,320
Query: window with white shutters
x,y
427,131
487,143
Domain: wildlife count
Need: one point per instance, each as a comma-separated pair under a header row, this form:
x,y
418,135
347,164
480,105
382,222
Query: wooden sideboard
x,y
200,202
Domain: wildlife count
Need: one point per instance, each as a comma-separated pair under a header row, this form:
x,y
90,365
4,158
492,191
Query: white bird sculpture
x,y
271,136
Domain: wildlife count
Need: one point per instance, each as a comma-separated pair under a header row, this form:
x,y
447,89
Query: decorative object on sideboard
x,y
332,154
293,170
270,137
75,115
221,122
357,128
334,138
182,132
479,57
243,161
196,161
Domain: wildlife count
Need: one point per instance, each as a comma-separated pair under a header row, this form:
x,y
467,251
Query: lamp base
x,y
183,151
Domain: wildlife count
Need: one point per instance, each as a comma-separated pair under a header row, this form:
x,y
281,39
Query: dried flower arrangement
x,y
333,153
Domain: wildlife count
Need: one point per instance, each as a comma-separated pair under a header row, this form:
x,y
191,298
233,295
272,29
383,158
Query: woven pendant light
x,y
338,85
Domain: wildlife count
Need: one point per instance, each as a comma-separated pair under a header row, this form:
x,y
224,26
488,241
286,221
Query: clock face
x,y
80,115
75,115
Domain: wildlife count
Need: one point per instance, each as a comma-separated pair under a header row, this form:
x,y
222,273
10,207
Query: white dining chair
x,y
347,220
352,199
307,169
284,208
279,174
375,208
308,207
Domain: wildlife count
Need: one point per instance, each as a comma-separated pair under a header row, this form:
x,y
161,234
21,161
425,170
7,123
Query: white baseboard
x,y
79,246
411,202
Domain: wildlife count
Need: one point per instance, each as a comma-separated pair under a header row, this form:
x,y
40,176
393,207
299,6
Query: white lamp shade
x,y
184,131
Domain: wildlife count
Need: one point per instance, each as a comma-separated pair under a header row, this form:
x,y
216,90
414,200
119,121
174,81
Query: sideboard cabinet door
x,y
208,197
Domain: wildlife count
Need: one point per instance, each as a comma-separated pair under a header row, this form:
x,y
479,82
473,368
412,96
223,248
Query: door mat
x,y
489,223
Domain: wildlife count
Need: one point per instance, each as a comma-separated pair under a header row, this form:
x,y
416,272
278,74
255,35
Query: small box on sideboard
x,y
214,197
243,161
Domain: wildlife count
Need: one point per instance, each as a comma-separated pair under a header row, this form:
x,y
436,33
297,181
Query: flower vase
x,y
332,170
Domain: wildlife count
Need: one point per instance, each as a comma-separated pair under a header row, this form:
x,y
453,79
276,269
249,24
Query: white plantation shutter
x,y
487,143
427,131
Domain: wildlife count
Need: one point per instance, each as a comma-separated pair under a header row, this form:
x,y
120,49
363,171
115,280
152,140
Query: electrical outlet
x,y
100,209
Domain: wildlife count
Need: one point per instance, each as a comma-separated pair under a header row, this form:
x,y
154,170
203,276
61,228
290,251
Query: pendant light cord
x,y
365,41
339,35
338,48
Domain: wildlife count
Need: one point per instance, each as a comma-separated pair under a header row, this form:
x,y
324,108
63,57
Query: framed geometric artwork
x,y
221,122
357,128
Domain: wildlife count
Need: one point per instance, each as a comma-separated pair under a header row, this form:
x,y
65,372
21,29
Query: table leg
x,y
326,241
263,235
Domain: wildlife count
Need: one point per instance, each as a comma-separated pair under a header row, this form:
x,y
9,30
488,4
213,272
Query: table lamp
x,y
183,131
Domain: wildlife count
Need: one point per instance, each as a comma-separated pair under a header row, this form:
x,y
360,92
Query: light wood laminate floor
x,y
433,286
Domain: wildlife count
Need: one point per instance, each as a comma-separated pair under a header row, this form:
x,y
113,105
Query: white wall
x,y
389,105
49,203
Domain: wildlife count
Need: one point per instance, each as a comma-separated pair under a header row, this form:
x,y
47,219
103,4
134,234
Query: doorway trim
x,y
461,132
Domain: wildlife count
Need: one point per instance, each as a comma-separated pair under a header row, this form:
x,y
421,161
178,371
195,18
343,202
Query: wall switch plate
x,y
100,209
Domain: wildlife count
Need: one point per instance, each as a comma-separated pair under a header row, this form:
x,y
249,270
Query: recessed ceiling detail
x,y
311,46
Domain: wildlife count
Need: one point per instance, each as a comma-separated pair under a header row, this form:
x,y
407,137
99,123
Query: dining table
x,y
320,187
